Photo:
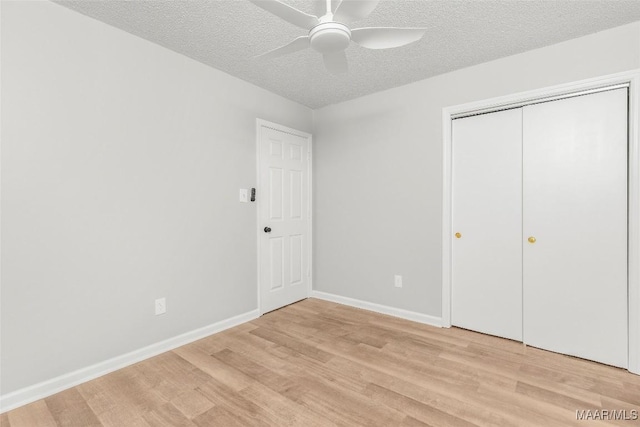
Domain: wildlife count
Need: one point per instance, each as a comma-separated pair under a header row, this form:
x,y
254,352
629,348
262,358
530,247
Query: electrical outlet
x,y
161,306
397,281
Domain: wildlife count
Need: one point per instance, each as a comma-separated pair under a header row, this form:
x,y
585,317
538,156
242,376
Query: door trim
x,y
630,78
260,123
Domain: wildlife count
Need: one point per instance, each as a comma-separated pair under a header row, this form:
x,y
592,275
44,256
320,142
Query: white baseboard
x,y
55,385
378,308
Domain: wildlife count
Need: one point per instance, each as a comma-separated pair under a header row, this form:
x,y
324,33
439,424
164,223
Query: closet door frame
x,y
630,79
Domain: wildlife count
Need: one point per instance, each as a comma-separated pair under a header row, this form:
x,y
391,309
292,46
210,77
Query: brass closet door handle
x,y
458,235
531,239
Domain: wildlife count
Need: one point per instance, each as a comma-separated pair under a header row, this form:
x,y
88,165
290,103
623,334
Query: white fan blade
x,y
296,45
386,37
288,13
353,10
336,62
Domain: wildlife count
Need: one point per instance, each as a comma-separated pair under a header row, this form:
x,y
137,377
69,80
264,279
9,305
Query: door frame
x,y
260,123
583,87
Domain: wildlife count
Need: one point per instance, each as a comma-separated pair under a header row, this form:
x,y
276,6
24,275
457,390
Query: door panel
x,y
575,206
487,211
284,208
275,193
295,202
296,259
276,253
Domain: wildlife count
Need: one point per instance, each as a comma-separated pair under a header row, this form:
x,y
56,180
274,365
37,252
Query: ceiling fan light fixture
x,y
329,37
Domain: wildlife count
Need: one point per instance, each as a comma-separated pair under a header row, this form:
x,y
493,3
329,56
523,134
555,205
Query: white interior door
x,y
575,206
283,200
486,292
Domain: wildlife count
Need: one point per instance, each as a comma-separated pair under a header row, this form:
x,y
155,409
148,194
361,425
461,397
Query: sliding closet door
x,y
575,226
486,291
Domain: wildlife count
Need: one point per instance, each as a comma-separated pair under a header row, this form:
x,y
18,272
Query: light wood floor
x,y
316,363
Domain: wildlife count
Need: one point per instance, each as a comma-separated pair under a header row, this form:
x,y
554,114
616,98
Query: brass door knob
x,y
458,235
531,239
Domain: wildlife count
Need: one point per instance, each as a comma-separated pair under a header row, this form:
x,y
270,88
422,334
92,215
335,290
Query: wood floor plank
x,y
286,341
552,397
419,370
246,411
412,422
167,415
340,406
69,409
33,414
214,368
120,398
316,364
219,416
192,403
255,371
117,417
290,412
169,375
449,401
97,397
614,391
414,408
519,370
130,391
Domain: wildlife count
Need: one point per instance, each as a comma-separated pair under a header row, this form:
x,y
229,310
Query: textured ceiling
x,y
226,34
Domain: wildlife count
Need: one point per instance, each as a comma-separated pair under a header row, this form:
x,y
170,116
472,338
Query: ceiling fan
x,y
330,35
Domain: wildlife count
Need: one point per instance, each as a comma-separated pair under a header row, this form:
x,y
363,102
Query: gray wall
x,y
121,164
378,168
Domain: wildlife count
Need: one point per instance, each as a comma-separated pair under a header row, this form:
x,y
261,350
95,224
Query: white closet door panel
x,y
575,205
487,212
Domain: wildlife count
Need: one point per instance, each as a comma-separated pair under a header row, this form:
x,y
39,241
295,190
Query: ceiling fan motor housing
x,y
330,37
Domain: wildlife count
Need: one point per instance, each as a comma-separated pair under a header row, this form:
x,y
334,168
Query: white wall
x,y
378,168
121,164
